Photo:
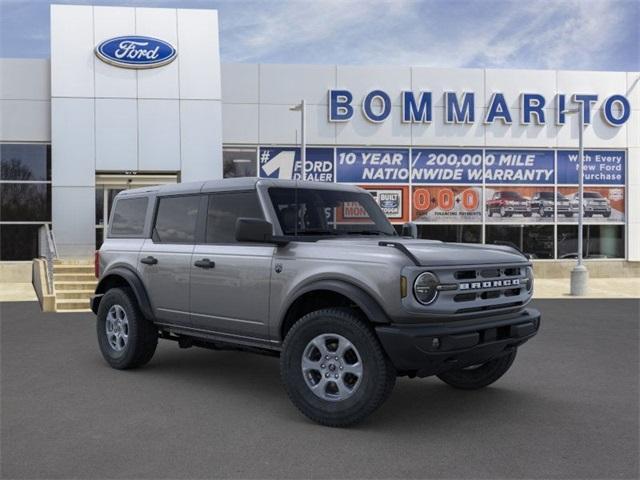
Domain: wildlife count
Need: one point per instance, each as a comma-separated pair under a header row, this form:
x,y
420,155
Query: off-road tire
x,y
378,378
142,334
480,377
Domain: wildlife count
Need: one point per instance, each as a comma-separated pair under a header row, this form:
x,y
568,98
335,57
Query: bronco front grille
x,y
482,288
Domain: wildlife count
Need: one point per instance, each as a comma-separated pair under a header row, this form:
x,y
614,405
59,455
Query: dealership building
x,y
470,155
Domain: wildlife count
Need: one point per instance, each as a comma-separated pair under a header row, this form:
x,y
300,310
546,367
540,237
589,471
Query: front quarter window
x,y
309,212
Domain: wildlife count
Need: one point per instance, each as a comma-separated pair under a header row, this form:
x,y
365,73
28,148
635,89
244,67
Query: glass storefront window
x,y
599,241
18,242
451,233
239,162
25,162
25,202
535,240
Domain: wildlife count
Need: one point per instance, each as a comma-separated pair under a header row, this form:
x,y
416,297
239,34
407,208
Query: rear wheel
x,y
334,369
126,338
479,376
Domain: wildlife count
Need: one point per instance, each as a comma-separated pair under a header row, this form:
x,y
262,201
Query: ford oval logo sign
x,y
134,51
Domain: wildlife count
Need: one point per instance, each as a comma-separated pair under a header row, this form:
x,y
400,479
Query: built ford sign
x,y
135,51
417,107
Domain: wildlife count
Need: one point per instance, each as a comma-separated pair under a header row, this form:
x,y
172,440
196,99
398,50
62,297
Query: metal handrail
x,y
50,252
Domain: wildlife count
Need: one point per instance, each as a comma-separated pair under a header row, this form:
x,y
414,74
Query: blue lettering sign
x,y
286,163
340,109
532,105
446,166
372,165
456,113
385,106
498,109
561,102
419,112
601,167
585,101
518,166
135,51
612,118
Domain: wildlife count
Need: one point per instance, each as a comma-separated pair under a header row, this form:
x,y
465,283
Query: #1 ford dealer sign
x,y
136,52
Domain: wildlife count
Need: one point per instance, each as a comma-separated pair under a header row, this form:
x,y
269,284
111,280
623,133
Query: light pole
x,y
580,274
303,140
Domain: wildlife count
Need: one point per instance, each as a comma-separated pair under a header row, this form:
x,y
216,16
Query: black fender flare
x,y
363,300
135,283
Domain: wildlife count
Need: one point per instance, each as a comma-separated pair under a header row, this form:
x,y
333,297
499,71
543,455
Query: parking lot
x,y
567,409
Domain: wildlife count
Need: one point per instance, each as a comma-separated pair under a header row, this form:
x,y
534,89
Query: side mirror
x,y
410,229
256,230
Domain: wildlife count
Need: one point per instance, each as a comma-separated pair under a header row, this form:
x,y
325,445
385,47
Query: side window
x,y
224,209
176,219
128,217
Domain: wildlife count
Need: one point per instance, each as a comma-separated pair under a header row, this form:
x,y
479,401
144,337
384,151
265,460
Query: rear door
x,y
165,258
230,281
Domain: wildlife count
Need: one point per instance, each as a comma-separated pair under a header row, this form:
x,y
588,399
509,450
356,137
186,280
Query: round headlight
x,y
425,288
529,279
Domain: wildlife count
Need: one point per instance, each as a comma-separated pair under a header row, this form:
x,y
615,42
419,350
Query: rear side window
x,y
176,219
223,211
128,217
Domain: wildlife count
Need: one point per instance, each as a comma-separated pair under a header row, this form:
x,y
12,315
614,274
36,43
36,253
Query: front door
x,y
229,280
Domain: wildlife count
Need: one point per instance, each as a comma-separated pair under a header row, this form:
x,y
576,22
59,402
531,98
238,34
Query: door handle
x,y
205,263
149,260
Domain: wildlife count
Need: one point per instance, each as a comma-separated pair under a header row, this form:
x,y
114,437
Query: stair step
x,y
75,285
69,277
77,294
72,310
65,268
71,304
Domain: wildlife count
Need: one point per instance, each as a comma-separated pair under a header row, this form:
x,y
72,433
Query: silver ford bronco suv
x,y
313,273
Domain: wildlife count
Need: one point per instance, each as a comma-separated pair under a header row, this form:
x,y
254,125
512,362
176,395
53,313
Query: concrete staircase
x,y
73,285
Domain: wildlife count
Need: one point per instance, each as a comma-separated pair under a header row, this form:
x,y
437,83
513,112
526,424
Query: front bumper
x,y
426,350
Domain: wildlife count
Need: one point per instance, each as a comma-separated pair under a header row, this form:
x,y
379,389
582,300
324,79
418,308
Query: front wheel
x,y
479,376
334,369
126,338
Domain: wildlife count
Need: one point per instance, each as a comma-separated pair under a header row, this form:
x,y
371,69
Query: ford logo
x,y
134,51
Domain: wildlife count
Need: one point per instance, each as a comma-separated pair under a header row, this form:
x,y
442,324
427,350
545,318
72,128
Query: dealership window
x,y
451,233
239,162
25,198
534,240
598,241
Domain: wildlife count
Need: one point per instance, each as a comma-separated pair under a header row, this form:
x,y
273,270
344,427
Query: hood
x,y
436,253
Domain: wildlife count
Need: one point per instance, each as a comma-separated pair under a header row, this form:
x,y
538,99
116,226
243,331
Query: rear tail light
x,y
96,263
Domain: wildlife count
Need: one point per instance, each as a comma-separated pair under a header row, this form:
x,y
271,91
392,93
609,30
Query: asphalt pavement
x,y
568,408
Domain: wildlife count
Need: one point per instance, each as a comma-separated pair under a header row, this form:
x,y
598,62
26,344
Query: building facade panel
x,y
513,83
159,82
199,54
71,33
116,133
24,79
243,125
240,83
110,22
199,142
362,80
158,142
288,84
441,80
25,121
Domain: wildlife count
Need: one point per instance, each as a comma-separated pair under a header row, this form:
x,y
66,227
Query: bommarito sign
x,y
460,108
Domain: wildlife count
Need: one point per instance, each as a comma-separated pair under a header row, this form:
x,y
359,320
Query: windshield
x,y
306,211
546,195
592,195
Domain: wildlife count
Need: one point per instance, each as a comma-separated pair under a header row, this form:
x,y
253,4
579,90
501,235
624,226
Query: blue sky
x,y
558,34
